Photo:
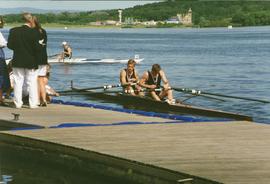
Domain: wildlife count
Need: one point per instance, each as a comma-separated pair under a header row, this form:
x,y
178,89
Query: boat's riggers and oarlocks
x,y
198,92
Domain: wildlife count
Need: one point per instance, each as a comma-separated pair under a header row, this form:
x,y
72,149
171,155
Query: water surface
x,y
228,61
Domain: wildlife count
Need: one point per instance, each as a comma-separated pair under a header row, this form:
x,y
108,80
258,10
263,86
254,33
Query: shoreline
x,y
74,26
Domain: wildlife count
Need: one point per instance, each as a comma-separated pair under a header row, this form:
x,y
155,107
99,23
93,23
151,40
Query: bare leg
x,y
167,93
155,96
170,94
42,90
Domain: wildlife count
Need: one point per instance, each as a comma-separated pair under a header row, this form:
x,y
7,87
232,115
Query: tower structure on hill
x,y
185,19
120,16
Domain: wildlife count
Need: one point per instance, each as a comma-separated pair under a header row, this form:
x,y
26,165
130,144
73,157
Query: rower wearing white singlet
x,y
129,79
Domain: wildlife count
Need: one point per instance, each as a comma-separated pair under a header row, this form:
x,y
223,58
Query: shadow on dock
x,y
34,161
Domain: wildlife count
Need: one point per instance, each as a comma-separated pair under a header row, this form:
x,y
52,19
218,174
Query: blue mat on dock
x,y
70,125
26,128
178,118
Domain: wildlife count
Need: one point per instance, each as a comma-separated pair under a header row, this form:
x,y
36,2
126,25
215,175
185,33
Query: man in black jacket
x,y
24,43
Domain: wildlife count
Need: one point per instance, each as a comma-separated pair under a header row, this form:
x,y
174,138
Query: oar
x,y
86,92
91,88
210,97
198,92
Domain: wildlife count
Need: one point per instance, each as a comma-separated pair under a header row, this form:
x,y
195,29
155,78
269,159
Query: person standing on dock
x,y
152,81
129,79
24,43
4,77
42,59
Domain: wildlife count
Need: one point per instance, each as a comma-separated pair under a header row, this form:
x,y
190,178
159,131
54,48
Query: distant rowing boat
x,y
86,60
148,102
78,60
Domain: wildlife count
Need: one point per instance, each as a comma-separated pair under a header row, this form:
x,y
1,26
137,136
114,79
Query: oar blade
x,y
198,92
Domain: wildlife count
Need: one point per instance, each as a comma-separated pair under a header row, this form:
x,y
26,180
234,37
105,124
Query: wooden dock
x,y
225,152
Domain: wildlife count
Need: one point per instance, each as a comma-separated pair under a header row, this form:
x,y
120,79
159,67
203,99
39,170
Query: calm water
x,y
233,62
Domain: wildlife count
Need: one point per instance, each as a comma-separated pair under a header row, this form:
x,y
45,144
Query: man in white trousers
x,y
24,43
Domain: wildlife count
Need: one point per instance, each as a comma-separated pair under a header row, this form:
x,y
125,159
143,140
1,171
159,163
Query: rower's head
x,y
64,44
131,65
1,22
28,18
155,69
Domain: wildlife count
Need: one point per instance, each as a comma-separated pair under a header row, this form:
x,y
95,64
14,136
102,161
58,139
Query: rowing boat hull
x,y
176,108
55,60
93,61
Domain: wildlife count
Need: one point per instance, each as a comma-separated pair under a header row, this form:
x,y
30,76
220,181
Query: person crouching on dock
x,y
129,79
152,81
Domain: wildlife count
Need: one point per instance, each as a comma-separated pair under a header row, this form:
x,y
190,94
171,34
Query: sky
x,y
85,5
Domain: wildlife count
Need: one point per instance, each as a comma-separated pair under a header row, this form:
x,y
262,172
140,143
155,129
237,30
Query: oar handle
x,y
147,90
111,86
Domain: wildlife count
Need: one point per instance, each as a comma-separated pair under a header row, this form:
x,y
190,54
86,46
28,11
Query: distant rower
x,y
67,53
152,80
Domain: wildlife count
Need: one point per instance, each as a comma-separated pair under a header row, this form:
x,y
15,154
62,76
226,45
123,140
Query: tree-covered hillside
x,y
205,13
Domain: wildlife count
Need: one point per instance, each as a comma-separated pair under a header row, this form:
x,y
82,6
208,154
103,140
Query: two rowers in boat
x,y
150,80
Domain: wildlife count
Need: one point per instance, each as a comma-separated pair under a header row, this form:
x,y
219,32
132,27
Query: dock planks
x,y
227,152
